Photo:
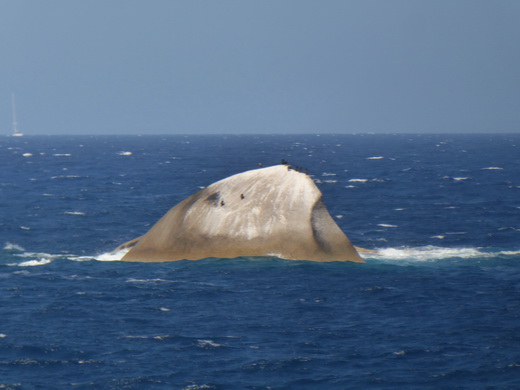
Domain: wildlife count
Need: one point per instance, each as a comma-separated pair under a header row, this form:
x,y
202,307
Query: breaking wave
x,y
17,256
13,252
435,253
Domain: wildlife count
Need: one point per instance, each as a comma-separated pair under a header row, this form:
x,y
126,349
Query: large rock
x,y
273,211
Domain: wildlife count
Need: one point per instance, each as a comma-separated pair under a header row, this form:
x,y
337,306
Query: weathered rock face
x,y
272,211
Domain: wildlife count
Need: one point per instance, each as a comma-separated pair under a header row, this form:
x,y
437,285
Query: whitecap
x,y
3,335
155,280
428,253
109,256
80,258
161,337
74,213
62,155
358,180
197,387
112,256
13,247
492,168
510,253
34,263
208,343
461,178
65,177
34,254
375,158
386,225
27,154
125,153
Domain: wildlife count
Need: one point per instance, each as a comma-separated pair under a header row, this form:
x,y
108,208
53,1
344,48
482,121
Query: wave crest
x,y
434,253
400,255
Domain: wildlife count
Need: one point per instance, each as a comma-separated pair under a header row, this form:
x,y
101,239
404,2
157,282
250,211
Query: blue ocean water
x,y
436,307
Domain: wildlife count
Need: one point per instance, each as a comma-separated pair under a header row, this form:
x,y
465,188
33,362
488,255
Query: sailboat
x,y
16,132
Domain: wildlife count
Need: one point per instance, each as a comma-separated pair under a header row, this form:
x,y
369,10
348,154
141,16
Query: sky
x,y
260,66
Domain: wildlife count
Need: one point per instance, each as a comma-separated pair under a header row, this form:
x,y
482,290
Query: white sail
x,y
16,132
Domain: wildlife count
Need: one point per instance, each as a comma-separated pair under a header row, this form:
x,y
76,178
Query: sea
x,y
435,306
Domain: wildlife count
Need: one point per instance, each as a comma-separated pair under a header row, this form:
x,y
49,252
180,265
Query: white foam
x,y
65,177
510,253
156,280
37,254
62,155
34,263
125,153
375,158
80,258
74,213
112,256
27,154
160,337
208,343
492,168
430,253
13,247
358,180
461,178
386,225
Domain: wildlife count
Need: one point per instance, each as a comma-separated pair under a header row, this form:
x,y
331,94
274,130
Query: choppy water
x,y
436,307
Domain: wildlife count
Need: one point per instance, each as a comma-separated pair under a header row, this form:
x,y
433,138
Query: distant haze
x,y
241,66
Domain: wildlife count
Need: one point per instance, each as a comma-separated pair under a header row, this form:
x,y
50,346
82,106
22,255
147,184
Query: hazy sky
x,y
240,66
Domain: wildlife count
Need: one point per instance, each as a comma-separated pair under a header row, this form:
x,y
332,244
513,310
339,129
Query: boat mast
x,y
16,132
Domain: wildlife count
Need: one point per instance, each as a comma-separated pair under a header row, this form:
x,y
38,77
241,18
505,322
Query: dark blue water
x,y
436,307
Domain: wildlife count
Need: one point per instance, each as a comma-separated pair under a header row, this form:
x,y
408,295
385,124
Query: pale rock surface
x,y
274,211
